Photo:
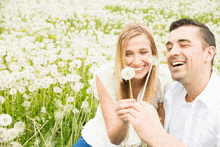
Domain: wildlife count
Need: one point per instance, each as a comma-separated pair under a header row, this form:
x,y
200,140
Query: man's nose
x,y
175,50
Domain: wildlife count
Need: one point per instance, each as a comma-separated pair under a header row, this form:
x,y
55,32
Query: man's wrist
x,y
157,138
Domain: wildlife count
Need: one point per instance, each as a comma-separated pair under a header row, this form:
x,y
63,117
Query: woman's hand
x,y
122,108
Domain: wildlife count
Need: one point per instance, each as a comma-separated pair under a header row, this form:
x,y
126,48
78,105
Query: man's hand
x,y
145,120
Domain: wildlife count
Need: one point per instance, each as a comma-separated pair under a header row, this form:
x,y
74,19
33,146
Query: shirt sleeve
x,y
218,140
164,79
106,74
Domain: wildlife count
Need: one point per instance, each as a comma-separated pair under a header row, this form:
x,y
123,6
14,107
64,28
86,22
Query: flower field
x,y
50,49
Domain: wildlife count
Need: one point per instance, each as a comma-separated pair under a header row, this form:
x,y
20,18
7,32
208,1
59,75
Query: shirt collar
x,y
206,95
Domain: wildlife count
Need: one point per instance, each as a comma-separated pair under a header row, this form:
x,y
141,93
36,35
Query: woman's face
x,y
138,53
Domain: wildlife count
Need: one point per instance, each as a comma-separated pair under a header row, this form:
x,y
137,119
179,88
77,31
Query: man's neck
x,y
195,87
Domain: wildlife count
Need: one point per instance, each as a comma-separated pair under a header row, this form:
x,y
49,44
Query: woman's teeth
x,y
137,69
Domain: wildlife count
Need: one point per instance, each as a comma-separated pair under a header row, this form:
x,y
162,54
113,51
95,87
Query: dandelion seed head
x,y
5,119
13,133
70,99
57,89
75,111
21,89
26,104
12,91
43,110
127,73
15,144
2,99
68,108
59,115
19,126
85,104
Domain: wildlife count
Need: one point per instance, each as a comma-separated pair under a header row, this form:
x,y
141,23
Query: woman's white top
x,y
95,132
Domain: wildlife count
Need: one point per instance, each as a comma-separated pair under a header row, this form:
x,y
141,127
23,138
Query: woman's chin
x,y
139,77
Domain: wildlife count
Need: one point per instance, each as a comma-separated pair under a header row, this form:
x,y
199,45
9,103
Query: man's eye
x,y
184,45
168,49
144,52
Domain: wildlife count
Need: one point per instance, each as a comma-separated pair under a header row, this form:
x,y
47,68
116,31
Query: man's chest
x,y
194,127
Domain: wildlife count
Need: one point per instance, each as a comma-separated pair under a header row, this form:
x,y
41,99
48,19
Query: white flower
x,y
57,89
2,99
62,80
13,133
154,60
61,64
76,63
21,89
26,96
128,73
43,110
26,104
77,86
58,115
14,66
2,131
12,91
5,119
2,87
15,144
70,99
2,66
68,108
90,90
58,103
31,88
85,105
4,135
2,52
75,111
20,126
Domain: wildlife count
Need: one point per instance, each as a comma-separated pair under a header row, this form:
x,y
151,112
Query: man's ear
x,y
210,53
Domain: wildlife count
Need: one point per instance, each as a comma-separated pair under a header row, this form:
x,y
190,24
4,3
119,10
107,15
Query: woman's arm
x,y
117,128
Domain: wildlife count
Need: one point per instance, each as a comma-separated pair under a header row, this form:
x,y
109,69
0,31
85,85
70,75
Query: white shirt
x,y
95,132
196,124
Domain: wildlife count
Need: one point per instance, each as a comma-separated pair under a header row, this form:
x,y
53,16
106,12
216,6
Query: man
x,y
192,102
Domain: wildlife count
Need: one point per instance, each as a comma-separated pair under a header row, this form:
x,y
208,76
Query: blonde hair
x,y
128,32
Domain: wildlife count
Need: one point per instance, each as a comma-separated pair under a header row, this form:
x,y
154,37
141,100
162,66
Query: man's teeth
x,y
137,69
177,63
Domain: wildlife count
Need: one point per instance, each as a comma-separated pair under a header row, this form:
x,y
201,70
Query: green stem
x,y
130,89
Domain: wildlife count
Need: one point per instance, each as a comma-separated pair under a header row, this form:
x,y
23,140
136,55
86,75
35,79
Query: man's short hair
x,y
204,32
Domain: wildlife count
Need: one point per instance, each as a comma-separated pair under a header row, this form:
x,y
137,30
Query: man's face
x,y
185,55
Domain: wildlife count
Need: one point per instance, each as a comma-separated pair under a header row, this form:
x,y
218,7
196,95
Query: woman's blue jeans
x,y
81,143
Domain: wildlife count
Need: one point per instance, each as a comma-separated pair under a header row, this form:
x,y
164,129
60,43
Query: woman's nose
x,y
136,60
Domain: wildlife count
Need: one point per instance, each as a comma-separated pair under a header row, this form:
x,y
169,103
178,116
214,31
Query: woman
x,y
108,128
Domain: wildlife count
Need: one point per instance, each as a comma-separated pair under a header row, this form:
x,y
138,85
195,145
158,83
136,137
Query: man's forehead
x,y
184,32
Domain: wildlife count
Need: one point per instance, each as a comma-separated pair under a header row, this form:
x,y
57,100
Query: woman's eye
x,y
144,52
127,54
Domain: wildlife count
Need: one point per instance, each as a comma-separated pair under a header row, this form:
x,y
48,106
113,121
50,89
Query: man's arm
x,y
145,120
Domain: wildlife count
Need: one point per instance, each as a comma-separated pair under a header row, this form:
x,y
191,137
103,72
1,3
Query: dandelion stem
x,y
34,134
148,75
130,89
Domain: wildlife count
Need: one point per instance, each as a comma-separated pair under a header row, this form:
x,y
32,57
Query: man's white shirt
x,y
196,124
